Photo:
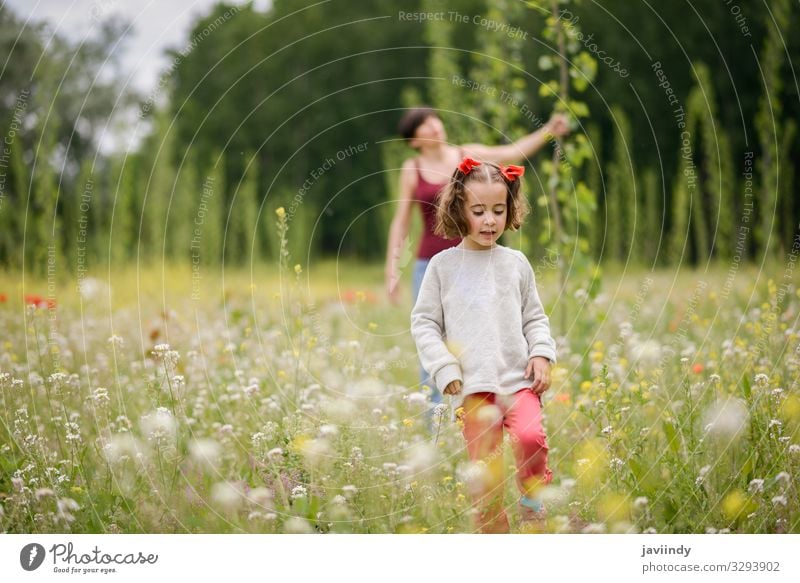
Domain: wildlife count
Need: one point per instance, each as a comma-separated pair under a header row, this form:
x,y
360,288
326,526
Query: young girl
x,y
424,175
482,333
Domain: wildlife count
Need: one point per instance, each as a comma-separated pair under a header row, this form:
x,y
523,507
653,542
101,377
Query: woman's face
x,y
430,130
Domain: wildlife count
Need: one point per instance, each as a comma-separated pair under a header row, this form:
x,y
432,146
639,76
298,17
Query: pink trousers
x,y
485,415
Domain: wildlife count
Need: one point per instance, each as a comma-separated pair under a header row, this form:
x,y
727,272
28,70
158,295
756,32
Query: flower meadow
x,y
288,402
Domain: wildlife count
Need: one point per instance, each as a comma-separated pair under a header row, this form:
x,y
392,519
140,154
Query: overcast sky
x,y
157,25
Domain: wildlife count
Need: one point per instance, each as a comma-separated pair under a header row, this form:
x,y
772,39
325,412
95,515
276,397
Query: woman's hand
x,y
558,125
453,388
539,370
393,289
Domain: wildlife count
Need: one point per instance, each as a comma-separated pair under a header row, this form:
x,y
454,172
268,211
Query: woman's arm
x,y
398,232
524,147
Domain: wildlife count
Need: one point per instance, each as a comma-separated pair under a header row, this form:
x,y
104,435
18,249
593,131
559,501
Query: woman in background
x,y
424,175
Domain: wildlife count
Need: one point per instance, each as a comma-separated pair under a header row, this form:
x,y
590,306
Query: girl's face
x,y
486,213
430,130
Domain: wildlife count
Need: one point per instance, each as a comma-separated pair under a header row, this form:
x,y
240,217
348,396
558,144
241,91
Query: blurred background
x,y
115,114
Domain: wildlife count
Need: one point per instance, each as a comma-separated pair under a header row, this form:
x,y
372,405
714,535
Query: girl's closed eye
x,y
497,212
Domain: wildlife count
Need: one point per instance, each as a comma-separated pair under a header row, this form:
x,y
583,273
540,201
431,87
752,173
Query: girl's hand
x,y
453,388
539,370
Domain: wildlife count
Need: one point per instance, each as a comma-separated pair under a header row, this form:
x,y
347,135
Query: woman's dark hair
x,y
451,221
412,119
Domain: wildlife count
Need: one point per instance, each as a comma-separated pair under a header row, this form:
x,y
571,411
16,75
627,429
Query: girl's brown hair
x,y
451,221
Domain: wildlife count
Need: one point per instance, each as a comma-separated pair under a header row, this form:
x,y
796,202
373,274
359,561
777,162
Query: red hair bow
x,y
467,164
512,172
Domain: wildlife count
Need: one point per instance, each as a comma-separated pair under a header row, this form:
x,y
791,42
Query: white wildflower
x,y
647,354
42,493
783,478
297,525
163,354
159,424
123,447
417,398
261,496
57,379
318,452
489,415
73,432
299,492
701,477
100,397
225,430
65,508
421,457
726,419
205,452
328,430
258,439
227,495
116,341
756,485
761,380
477,477
779,500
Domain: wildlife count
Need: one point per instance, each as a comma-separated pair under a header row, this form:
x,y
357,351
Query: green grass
x,y
655,420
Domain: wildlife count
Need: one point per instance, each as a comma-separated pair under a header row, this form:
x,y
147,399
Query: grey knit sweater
x,y
479,319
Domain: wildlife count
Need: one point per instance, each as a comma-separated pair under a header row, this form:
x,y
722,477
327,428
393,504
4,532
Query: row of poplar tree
x,y
254,115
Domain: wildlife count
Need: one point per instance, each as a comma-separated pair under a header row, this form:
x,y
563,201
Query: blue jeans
x,y
424,377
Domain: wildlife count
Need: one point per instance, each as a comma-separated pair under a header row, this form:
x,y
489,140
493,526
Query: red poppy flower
x,y
35,300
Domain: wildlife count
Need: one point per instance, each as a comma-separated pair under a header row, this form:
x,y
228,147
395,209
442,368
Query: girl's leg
x,y
523,420
483,431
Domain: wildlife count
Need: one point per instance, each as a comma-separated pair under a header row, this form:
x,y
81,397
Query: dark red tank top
x,y
425,194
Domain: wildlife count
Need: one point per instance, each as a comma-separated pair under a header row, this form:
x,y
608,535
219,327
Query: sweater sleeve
x,y
535,323
427,328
